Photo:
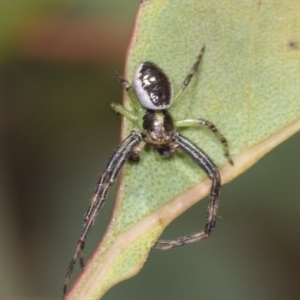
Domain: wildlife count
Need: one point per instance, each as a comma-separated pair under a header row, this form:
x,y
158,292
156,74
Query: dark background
x,y
57,60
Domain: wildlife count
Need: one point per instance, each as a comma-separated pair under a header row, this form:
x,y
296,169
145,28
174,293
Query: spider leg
x,y
101,186
121,110
190,75
212,128
128,87
202,159
108,177
122,81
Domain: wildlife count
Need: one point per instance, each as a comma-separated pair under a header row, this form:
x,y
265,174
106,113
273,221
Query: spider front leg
x,y
202,159
108,177
212,128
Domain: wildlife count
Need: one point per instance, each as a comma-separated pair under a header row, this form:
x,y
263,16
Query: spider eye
x,y
152,87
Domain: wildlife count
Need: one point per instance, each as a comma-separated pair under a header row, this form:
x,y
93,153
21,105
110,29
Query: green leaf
x,y
248,85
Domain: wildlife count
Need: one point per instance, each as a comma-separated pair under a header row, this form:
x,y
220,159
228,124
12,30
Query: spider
x,y
153,90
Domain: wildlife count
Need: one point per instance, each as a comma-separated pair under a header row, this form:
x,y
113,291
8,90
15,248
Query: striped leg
x,y
190,75
201,158
108,177
212,128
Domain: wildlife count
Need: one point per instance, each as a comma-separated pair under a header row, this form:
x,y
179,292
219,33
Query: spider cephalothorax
x,y
154,92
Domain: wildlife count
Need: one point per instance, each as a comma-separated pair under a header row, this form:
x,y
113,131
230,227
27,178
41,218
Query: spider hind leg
x,y
192,72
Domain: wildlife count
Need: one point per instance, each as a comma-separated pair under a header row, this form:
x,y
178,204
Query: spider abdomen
x,y
152,87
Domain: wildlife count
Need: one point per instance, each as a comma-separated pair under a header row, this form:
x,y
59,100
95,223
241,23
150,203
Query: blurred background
x,y
57,60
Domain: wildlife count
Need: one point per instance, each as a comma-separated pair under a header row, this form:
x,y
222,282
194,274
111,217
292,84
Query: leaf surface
x,y
248,85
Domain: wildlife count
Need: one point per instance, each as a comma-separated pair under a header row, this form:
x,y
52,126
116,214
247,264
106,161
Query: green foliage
x,y
248,85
